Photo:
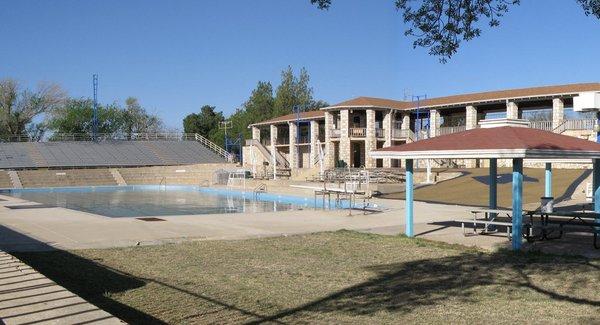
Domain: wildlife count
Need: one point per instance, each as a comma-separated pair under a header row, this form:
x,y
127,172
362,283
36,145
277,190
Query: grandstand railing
x,y
165,136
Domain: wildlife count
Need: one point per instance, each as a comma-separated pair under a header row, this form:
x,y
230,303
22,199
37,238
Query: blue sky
x,y
176,56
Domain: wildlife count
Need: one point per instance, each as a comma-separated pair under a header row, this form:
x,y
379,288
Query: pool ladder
x,y
261,188
163,182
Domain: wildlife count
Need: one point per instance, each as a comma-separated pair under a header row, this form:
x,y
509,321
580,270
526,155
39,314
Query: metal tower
x,y
95,111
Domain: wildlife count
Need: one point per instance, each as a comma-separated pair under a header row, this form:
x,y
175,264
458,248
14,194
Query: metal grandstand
x,y
139,149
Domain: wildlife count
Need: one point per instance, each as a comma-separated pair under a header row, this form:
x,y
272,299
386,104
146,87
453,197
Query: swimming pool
x,y
152,200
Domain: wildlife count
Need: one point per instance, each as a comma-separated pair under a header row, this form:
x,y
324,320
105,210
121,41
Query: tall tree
x,y
76,117
205,123
137,120
18,107
293,91
441,25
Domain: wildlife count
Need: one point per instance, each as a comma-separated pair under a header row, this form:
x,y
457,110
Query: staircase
x,y
214,147
35,154
279,158
165,159
14,179
117,176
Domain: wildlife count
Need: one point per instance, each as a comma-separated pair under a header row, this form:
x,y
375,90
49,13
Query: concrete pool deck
x,y
60,228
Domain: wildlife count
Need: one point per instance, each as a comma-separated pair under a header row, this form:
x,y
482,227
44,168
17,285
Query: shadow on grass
x,y
402,287
395,287
93,281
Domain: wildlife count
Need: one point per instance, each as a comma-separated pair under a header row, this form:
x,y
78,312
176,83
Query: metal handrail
x,y
214,147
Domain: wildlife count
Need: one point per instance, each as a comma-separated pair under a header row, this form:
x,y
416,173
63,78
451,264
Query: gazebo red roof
x,y
497,142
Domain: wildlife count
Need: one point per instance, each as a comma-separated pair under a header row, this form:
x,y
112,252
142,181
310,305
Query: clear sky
x,y
176,56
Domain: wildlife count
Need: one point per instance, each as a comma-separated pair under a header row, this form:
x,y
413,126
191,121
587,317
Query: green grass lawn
x,y
339,277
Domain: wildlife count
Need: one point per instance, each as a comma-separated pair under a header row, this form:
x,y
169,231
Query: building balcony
x,y
283,141
402,134
304,139
451,129
357,132
336,133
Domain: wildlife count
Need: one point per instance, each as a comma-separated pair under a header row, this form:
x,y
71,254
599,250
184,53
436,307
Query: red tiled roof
x,y
511,94
310,115
512,141
471,98
372,102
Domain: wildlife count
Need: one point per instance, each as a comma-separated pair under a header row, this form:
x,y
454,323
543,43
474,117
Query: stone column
x,y
512,110
293,147
329,145
273,142
387,127
344,136
370,139
406,124
256,133
434,122
314,148
471,117
558,112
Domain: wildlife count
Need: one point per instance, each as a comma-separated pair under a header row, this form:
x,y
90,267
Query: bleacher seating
x,y
69,177
5,180
116,153
169,175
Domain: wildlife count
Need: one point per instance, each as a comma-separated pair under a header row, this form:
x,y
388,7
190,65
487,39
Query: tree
x,y
76,117
293,91
441,25
205,123
137,120
18,107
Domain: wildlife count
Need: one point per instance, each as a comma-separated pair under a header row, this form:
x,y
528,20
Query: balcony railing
x,y
541,125
358,132
402,134
336,133
304,139
451,129
283,140
584,124
379,133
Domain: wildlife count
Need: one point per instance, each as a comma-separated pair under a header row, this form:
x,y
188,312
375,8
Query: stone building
x,y
343,134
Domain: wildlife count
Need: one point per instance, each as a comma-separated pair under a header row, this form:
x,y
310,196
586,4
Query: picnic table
x,y
559,220
490,223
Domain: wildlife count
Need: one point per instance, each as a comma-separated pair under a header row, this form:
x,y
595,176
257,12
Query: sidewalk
x,y
27,297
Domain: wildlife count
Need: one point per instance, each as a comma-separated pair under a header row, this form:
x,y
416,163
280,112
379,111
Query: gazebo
x,y
499,139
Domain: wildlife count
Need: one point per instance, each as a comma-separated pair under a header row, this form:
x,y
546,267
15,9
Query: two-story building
x,y
343,134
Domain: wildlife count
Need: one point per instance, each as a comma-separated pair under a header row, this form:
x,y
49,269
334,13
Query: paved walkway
x,y
28,297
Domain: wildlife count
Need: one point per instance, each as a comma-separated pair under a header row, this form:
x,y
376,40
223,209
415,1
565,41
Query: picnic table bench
x,y
489,222
566,219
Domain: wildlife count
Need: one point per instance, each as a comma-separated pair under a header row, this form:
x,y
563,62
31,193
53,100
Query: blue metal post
x,y
596,188
95,108
409,199
493,199
548,180
517,200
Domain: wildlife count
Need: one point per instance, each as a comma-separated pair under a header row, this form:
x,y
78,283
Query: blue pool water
x,y
152,200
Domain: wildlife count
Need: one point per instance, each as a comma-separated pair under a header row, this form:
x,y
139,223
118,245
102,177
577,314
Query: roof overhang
x,y
542,154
